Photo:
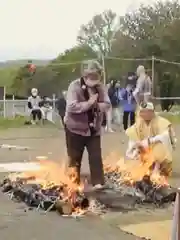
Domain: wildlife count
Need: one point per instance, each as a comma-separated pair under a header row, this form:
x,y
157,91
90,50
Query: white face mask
x,y
92,83
128,88
34,94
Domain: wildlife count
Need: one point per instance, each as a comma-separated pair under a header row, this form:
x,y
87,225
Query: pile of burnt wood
x,y
65,201
145,191
55,198
152,193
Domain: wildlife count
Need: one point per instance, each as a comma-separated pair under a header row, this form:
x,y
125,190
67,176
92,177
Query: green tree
x,y
54,77
22,80
150,25
99,32
67,66
7,77
152,30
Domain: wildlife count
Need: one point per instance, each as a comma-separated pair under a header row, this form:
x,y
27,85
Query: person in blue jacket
x,y
128,105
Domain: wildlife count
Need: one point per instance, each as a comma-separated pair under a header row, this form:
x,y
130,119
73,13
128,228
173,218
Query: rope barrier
x,y
166,98
113,58
69,63
165,61
129,59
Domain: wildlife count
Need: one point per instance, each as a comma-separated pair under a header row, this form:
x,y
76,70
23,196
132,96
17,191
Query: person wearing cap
x,y
87,100
143,90
151,130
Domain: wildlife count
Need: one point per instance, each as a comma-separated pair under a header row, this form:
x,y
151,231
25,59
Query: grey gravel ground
x,y
17,224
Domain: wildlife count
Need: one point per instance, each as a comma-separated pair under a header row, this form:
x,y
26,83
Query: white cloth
x,y
109,119
131,150
164,138
117,115
47,113
114,114
143,88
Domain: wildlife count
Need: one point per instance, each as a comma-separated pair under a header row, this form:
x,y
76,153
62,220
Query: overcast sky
x,y
44,28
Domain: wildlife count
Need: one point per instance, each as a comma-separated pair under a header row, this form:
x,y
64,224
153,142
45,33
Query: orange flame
x,y
134,170
51,174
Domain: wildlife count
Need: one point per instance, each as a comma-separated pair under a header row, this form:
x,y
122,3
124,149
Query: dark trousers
x,y
75,148
36,114
126,118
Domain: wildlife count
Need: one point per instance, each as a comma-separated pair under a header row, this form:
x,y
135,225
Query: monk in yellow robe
x,y
154,132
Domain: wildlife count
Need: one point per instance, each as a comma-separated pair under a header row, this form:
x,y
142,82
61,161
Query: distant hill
x,y
18,63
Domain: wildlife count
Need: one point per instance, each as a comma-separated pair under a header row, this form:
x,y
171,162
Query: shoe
x,y
110,131
98,187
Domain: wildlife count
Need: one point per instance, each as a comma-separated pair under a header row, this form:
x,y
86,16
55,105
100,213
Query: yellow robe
x,y
140,131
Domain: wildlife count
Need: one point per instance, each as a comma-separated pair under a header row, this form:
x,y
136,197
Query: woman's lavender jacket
x,y
76,118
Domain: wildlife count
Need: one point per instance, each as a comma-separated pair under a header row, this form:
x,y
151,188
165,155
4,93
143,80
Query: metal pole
x,y
13,107
178,223
104,69
175,235
54,101
152,77
4,103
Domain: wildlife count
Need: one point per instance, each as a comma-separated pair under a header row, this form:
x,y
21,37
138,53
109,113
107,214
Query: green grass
x,y
172,118
18,122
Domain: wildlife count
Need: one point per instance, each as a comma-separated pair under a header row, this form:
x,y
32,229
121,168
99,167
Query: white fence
x,y
11,108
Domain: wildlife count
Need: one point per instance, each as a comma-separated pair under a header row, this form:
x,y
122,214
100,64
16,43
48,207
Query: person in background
x,y
131,79
34,104
128,105
87,100
143,90
114,93
108,115
46,107
151,131
61,106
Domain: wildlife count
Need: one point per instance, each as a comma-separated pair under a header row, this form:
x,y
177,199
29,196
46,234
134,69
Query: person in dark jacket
x,y
61,106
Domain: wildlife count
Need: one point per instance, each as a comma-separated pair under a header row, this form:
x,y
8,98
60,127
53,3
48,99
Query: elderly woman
x,y
87,101
155,132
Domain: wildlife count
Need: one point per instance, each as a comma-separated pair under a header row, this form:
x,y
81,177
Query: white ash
x,y
114,181
96,207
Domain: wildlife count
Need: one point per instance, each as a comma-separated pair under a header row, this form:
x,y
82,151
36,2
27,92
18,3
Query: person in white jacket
x,y
34,104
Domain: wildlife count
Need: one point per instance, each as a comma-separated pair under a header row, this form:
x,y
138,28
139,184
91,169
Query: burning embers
x,y
53,198
49,188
